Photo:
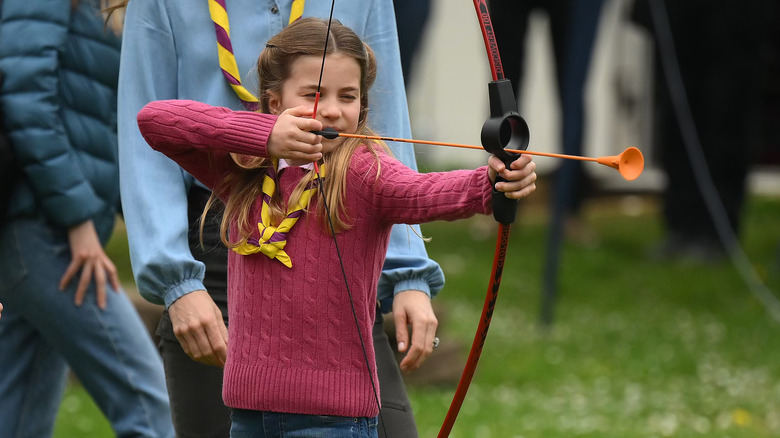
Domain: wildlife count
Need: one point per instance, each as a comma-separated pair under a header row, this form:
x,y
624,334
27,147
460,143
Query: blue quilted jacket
x,y
58,99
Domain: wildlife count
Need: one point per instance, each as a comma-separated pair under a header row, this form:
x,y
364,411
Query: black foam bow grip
x,y
504,129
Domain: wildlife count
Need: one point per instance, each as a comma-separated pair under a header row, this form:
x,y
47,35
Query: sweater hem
x,y
298,390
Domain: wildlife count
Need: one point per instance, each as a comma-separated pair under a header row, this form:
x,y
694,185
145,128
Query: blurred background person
x,y
63,305
719,53
573,27
411,18
7,167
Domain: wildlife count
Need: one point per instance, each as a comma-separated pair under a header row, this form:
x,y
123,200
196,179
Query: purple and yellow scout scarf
x,y
227,60
273,239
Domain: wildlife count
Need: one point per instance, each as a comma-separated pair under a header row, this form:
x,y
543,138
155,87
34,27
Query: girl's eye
x,y
348,97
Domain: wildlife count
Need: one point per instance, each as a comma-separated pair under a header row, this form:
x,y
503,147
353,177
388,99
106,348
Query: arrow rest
x,y
328,133
505,128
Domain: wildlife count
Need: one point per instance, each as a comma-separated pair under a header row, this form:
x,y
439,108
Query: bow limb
x,y
481,334
503,115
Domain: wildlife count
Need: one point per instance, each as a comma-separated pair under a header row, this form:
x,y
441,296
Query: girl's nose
x,y
329,108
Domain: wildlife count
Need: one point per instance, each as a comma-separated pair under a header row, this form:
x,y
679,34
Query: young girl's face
x,y
339,105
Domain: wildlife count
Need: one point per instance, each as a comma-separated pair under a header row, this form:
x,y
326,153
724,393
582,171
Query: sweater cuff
x,y
487,195
250,128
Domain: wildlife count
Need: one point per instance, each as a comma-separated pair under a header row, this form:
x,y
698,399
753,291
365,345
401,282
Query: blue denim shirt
x,y
169,51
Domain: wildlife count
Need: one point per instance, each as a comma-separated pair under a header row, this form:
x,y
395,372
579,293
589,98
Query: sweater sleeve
x,y
401,195
200,137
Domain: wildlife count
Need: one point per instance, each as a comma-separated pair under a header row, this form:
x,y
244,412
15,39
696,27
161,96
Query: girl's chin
x,y
330,145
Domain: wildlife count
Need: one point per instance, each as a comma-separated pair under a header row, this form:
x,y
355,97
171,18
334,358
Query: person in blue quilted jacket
x,y
63,307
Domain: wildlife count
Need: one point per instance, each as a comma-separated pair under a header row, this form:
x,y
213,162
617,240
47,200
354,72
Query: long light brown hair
x,y
113,13
305,37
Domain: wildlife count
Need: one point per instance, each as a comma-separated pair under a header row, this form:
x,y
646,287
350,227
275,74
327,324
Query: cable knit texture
x,y
293,343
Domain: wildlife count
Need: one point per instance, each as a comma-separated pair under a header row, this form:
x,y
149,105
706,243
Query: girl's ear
x,y
274,103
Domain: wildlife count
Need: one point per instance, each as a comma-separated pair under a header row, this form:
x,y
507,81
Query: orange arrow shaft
x,y
465,146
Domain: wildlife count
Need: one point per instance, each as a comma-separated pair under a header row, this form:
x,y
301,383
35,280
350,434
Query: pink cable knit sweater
x,y
293,343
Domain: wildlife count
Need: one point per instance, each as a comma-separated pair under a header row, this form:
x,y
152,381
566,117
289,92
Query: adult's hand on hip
x,y
89,262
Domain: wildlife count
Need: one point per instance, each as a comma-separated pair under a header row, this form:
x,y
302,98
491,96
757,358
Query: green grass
x,y
79,417
639,348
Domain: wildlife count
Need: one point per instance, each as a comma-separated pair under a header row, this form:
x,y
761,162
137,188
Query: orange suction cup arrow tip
x,y
629,163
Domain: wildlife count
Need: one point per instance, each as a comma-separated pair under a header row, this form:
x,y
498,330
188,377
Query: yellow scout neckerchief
x,y
273,239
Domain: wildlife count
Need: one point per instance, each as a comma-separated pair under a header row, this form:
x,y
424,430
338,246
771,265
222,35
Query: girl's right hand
x,y
291,138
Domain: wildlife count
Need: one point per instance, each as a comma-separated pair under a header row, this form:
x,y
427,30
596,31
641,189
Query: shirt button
x,y
274,9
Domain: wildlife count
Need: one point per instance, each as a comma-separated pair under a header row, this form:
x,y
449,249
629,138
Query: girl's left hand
x,y
520,176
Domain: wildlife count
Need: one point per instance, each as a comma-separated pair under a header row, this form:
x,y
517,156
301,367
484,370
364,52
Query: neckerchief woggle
x,y
273,239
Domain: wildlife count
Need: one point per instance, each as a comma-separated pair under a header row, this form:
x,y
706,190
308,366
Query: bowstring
x,y
333,232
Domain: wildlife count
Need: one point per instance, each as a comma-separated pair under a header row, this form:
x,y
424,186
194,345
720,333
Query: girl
x,y
169,52
295,360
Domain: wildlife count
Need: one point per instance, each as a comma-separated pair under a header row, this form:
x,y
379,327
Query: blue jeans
x,y
257,424
42,332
